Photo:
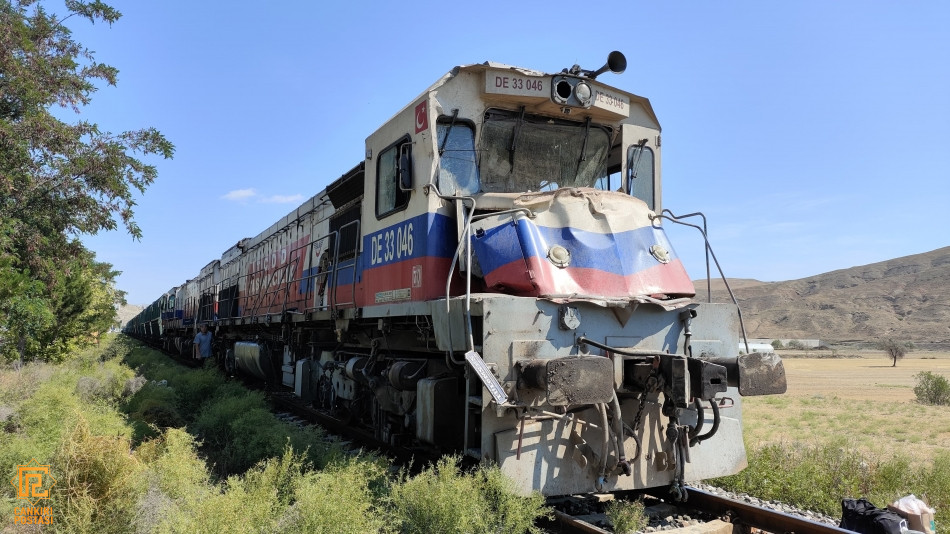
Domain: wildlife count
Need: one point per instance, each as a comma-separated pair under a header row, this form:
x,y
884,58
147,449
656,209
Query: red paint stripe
x,y
546,279
431,284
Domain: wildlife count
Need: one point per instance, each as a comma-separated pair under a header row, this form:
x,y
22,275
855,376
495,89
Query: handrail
x,y
676,218
467,242
311,278
268,296
668,215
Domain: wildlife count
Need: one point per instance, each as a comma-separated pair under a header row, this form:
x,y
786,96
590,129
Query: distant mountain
x,y
907,299
127,312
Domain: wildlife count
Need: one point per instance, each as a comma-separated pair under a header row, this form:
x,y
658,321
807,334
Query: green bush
x,y
249,503
357,486
53,411
152,409
173,466
237,431
626,517
96,475
107,382
932,389
817,477
113,476
443,499
234,426
195,387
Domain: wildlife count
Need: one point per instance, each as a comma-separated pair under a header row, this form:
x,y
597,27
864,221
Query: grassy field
x,y
849,427
864,400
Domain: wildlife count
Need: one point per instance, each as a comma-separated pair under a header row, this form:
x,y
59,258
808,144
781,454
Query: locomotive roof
x,y
494,65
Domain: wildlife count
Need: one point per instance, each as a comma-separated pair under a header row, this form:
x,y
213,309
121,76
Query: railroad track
x,y
726,516
289,403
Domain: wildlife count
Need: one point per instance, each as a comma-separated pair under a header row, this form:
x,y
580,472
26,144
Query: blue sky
x,y
814,135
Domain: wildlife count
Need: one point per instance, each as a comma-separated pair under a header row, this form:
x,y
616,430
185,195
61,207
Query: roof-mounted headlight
x,y
583,93
571,91
562,90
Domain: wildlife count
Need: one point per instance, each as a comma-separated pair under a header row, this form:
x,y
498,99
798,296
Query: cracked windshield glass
x,y
524,153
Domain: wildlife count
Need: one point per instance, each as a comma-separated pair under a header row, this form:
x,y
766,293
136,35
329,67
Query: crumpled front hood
x,y
581,244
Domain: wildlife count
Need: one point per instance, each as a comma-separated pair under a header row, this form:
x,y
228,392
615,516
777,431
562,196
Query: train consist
x,y
493,279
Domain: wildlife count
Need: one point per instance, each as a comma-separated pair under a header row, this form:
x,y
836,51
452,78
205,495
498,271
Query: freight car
x,y
493,279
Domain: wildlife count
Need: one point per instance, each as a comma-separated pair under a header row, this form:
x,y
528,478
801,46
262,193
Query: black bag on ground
x,y
859,515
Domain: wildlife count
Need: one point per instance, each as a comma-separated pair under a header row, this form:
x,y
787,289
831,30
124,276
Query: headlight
x,y
571,91
559,256
583,93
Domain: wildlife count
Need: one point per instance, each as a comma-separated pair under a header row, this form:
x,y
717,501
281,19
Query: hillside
x,y
905,298
127,312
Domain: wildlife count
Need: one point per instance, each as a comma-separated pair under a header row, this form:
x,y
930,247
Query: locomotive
x,y
493,279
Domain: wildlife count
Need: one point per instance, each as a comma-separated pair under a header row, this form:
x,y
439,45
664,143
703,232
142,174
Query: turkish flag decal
x,y
422,116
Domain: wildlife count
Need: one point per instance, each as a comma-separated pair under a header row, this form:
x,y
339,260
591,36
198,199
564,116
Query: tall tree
x,y
57,179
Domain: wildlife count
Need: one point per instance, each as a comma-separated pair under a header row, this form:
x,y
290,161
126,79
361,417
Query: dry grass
x,y
864,400
67,415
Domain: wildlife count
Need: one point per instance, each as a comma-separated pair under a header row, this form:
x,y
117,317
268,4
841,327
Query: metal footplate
x,y
488,379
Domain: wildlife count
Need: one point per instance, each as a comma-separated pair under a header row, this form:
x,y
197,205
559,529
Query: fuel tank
x,y
251,358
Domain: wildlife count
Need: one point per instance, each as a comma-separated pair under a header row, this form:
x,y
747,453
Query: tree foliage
x,y
59,180
894,350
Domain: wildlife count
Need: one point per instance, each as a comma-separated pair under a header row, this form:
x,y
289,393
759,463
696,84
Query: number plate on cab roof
x,y
512,83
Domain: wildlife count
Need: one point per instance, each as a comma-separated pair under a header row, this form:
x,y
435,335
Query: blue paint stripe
x,y
428,234
431,235
623,253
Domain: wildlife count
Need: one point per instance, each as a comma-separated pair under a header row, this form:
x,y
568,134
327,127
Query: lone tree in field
x,y
894,349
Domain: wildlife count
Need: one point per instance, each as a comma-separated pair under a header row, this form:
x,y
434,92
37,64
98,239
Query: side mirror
x,y
404,170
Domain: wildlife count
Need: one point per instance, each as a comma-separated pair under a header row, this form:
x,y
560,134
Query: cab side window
x,y
640,174
393,165
458,169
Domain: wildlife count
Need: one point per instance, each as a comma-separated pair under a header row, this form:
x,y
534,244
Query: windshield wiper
x,y
632,170
448,131
514,138
583,155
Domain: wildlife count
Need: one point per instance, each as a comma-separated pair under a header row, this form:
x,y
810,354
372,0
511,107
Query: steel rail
x,y
567,524
757,517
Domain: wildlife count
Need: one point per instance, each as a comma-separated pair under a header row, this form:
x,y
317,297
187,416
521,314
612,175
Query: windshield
x,y
525,153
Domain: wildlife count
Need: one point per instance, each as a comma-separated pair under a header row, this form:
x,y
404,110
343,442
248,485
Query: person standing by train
x,y
203,344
